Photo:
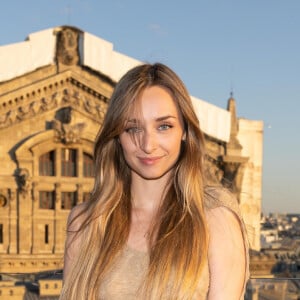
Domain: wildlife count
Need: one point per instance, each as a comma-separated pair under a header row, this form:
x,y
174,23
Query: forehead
x,y
154,102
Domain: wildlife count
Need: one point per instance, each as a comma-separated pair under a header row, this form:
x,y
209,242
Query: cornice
x,y
64,89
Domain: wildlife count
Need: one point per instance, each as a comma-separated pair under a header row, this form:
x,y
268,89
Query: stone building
x,y
54,91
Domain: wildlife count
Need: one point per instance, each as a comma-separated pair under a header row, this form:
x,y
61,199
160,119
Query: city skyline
x,y
250,49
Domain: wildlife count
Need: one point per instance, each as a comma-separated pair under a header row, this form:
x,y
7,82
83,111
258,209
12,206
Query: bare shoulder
x,y
223,212
219,196
74,237
228,246
222,220
76,217
74,225
222,215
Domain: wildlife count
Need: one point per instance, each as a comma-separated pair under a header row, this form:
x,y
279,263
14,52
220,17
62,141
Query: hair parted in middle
x,y
179,250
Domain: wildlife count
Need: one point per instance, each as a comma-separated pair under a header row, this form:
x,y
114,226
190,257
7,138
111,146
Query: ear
x,y
184,137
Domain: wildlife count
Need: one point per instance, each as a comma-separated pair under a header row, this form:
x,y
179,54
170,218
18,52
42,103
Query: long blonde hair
x,y
179,251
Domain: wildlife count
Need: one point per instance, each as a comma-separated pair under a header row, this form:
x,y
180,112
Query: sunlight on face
x,y
152,137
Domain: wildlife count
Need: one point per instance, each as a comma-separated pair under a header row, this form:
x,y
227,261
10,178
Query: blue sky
x,y
251,47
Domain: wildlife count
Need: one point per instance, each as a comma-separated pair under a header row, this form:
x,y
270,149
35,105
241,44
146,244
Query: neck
x,y
146,199
148,194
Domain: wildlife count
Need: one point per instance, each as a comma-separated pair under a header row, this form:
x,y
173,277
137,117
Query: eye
x,y
165,126
133,129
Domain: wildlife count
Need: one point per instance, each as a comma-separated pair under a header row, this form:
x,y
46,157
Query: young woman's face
x,y
152,137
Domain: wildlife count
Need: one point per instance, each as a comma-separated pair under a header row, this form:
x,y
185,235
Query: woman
x,y
152,228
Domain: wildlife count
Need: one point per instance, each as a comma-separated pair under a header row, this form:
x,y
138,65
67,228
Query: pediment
x,y
75,88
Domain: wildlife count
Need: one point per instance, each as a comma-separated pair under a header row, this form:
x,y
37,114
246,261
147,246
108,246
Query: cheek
x,y
126,143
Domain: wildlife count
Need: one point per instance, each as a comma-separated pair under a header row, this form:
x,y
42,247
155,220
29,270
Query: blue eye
x,y
165,127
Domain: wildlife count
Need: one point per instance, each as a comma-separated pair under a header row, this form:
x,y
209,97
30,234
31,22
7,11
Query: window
x,y
47,164
47,200
68,200
68,162
88,165
46,234
1,233
62,171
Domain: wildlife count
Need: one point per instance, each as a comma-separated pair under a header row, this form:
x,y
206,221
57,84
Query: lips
x,y
149,160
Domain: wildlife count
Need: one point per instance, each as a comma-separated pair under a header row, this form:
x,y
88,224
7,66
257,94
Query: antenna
x,y
231,81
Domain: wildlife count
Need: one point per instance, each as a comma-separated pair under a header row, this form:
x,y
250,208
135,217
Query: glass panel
x,y
88,165
68,200
47,164
68,162
47,200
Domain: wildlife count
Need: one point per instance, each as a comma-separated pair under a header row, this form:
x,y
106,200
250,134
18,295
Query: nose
x,y
148,142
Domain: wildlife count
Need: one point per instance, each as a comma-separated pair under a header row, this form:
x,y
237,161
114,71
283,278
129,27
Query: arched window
x,y
88,165
47,164
72,171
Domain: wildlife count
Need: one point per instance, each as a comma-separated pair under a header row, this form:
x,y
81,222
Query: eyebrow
x,y
163,118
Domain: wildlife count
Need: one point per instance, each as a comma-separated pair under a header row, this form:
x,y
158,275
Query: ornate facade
x,y
49,117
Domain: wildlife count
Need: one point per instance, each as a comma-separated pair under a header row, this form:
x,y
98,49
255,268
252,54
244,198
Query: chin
x,y
154,176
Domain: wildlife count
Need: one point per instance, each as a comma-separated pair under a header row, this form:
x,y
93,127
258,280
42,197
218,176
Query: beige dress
x,y
123,281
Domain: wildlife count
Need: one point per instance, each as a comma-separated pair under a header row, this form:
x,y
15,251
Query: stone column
x,y
13,242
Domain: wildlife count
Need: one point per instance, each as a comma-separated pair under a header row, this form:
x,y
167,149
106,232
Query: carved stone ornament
x,y
65,132
24,180
213,172
96,108
67,47
3,200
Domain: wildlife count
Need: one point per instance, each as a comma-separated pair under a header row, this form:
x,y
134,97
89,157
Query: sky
x,y
216,46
